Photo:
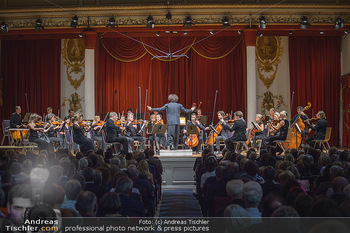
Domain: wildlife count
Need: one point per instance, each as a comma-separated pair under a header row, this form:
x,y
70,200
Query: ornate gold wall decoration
x,y
268,56
73,53
74,102
269,100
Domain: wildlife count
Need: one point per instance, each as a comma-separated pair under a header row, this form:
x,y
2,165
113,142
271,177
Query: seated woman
x,y
79,137
34,133
96,128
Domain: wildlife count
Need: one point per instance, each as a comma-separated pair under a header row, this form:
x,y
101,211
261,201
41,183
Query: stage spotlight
x,y
212,32
262,22
185,33
188,22
240,32
158,33
74,22
304,22
260,34
338,23
111,23
100,35
321,32
38,25
290,32
81,35
226,22
168,16
150,23
346,32
4,27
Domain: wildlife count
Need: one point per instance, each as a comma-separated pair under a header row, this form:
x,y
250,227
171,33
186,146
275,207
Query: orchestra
x,y
89,134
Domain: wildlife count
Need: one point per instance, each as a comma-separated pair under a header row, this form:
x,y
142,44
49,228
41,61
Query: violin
x,y
59,122
100,123
40,123
314,120
231,121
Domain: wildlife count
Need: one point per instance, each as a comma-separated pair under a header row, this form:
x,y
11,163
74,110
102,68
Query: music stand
x,y
256,126
192,129
203,120
159,129
26,117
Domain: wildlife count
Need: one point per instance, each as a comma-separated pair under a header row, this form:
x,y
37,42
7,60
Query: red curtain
x,y
346,109
314,64
32,67
194,79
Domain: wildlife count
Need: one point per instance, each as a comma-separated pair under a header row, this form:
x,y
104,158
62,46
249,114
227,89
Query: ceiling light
x,y
226,22
80,34
304,22
240,32
262,22
168,16
150,23
346,32
74,22
338,23
185,33
212,32
321,32
260,34
158,34
290,32
188,22
38,25
4,27
111,23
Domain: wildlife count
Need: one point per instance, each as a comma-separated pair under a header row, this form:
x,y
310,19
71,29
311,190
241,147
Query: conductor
x,y
173,110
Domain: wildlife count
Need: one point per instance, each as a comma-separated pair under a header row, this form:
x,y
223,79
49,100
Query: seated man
x,y
239,126
198,137
114,132
132,132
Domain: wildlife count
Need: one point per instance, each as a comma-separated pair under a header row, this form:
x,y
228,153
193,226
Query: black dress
x,y
34,137
84,142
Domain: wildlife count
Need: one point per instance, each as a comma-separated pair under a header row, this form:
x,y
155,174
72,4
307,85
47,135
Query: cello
x,y
296,138
192,140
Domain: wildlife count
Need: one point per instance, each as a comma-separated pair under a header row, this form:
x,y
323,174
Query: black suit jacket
x,y
112,131
239,127
320,128
15,119
131,207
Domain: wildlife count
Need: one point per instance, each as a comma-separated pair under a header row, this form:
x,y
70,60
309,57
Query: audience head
x,y
252,194
19,200
234,189
72,189
86,204
239,218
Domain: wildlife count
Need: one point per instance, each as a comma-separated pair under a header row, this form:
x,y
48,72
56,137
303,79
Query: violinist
x,y
132,132
202,119
71,113
52,130
48,111
16,118
239,127
281,129
150,125
160,138
320,127
34,133
114,132
96,126
260,131
195,122
79,137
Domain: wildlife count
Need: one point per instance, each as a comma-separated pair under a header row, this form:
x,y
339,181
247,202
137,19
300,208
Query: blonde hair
x,y
259,115
143,168
76,117
284,113
277,114
32,117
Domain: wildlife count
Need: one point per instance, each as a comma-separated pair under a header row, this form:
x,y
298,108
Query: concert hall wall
x,y
217,63
314,64
32,67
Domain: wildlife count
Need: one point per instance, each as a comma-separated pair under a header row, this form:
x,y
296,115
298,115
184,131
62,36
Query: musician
x,y
52,129
239,127
132,132
281,129
173,110
195,122
200,117
223,135
260,133
16,118
97,132
304,118
34,133
48,111
71,113
160,138
320,127
150,125
114,132
79,137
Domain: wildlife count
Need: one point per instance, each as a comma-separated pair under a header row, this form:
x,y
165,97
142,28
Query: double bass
x,y
296,138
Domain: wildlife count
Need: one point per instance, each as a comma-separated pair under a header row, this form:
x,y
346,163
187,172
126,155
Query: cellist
x,y
223,135
304,118
195,122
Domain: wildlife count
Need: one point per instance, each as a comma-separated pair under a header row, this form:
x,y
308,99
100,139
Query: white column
x,y
251,85
89,84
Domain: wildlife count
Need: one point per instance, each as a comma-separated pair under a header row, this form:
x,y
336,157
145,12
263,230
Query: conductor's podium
x,y
178,169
